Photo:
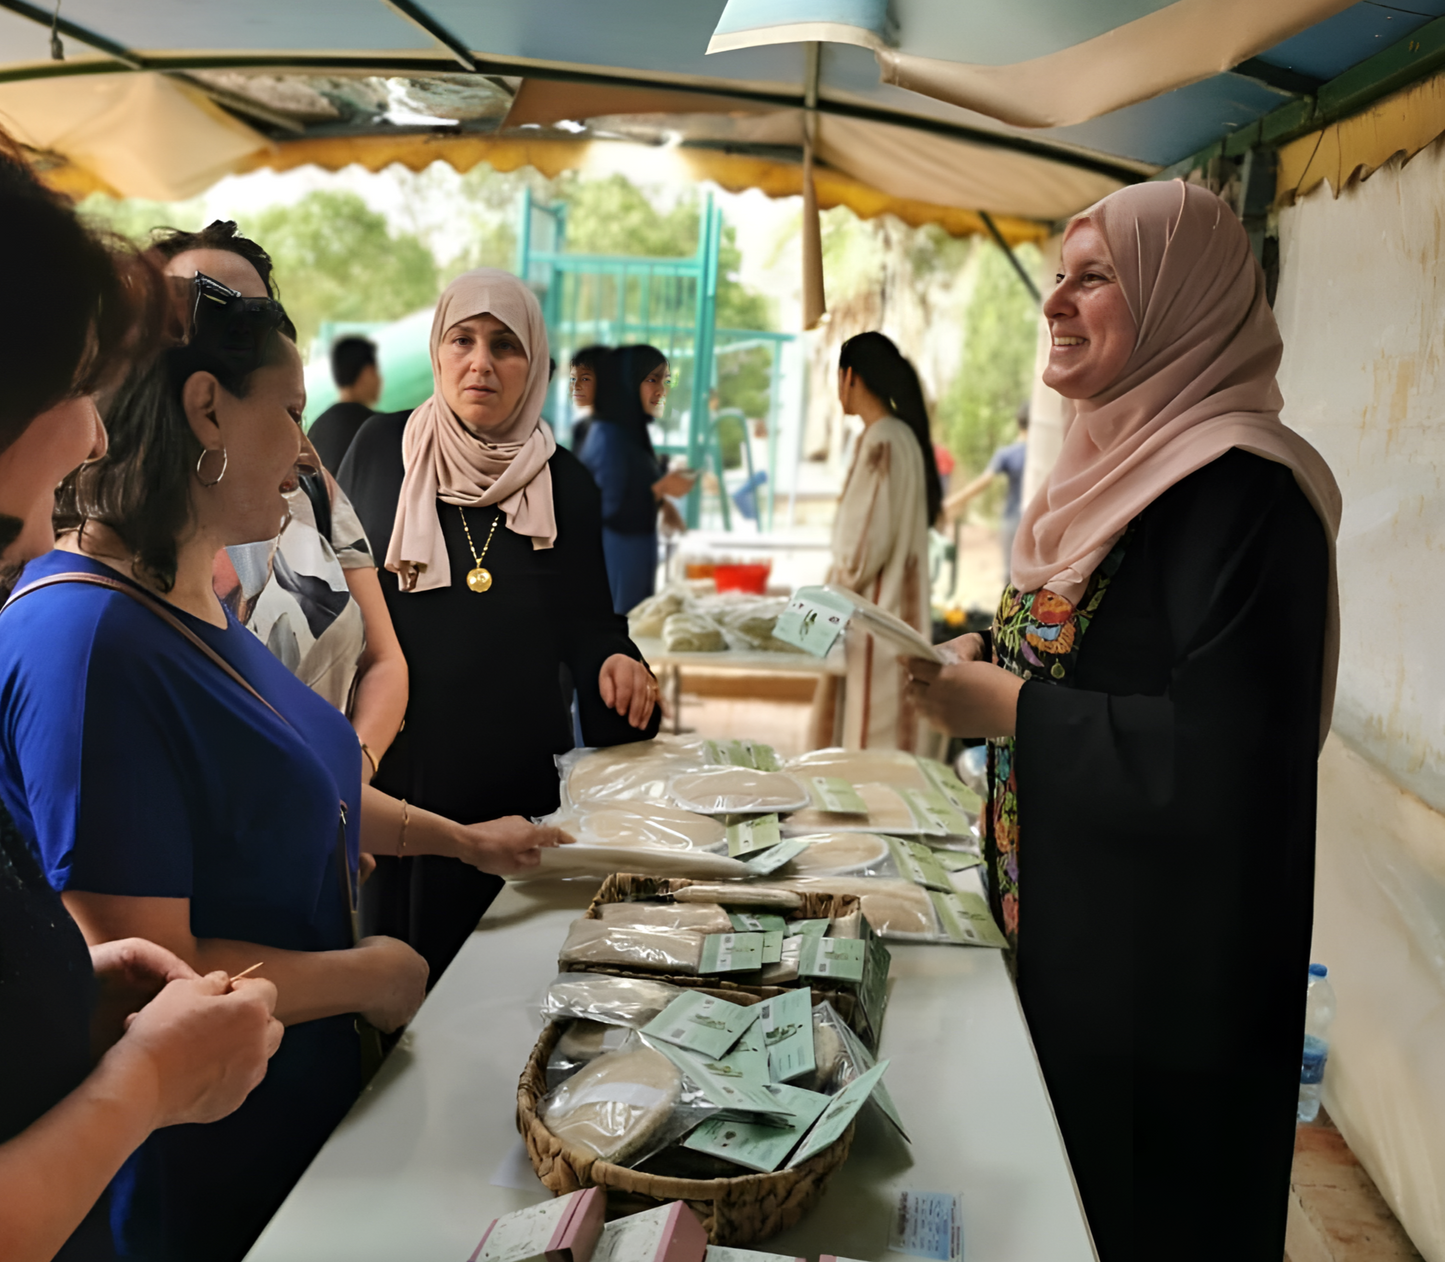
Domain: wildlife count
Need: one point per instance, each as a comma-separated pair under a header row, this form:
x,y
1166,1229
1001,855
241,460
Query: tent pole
x,y
1012,257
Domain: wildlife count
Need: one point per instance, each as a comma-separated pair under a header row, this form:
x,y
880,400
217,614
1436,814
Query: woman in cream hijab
x,y
1155,689
493,538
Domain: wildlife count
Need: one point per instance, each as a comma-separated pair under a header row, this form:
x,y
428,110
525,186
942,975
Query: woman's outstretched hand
x,y
506,846
969,697
628,687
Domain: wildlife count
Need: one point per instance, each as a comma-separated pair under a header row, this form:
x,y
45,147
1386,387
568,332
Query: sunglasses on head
x,y
218,308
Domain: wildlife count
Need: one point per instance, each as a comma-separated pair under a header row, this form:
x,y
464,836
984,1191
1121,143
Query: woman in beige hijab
x,y
1155,689
493,538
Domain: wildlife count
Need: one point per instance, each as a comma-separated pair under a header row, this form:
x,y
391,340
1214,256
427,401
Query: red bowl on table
x,y
743,578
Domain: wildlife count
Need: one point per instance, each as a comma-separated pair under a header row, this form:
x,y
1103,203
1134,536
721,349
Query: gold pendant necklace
x,y
479,579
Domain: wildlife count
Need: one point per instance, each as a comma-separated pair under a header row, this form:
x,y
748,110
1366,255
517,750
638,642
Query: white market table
x,y
760,662
409,1174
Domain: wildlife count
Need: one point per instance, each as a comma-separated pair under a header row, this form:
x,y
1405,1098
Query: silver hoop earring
x,y
200,460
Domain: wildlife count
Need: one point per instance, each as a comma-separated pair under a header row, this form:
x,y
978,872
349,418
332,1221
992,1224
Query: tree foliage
x,y
615,216
336,259
977,413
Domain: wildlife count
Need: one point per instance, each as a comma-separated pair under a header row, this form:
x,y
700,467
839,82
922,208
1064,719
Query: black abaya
x,y
486,714
1166,864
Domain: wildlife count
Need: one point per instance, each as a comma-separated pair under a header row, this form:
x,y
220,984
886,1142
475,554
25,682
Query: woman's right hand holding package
x,y
201,1045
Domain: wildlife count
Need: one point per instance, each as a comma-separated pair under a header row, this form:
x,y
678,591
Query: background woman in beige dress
x,y
880,542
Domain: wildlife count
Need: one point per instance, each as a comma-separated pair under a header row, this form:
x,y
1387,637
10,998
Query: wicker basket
x,y
624,887
737,1211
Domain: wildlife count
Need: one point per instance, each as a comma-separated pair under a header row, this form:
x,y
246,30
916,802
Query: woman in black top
x,y
494,534
78,1091
1161,674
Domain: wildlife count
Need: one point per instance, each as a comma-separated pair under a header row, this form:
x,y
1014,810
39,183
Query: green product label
x,y
749,1058
841,1110
863,1059
873,990
837,959
918,863
815,927
731,952
742,753
833,793
924,822
813,622
757,922
966,919
957,860
726,1087
786,1022
702,1023
773,946
771,859
757,1146
943,779
750,836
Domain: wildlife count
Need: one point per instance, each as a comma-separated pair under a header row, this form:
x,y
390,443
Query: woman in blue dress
x,y
181,785
631,386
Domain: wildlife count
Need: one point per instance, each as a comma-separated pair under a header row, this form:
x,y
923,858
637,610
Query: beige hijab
x,y
443,459
1201,380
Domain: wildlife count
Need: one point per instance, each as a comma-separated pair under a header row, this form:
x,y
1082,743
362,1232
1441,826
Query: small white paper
x,y
928,1225
516,1172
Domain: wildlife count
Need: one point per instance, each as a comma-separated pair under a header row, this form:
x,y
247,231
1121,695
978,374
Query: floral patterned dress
x,y
1036,635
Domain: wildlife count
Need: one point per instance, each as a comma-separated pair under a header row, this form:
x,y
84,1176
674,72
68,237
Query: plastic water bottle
x,y
1319,1012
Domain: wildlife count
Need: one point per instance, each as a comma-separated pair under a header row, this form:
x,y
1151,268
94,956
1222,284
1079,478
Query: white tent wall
x,y
1361,305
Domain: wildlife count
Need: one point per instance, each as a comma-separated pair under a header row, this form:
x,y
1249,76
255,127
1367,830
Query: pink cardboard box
x,y
563,1230
669,1233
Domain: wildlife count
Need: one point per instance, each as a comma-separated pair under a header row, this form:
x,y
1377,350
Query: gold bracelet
x,y
401,837
370,757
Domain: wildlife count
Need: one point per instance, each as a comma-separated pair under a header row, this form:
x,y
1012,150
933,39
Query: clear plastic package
x,y
645,824
737,791
861,766
646,618
638,771
691,632
847,852
579,1044
658,950
585,858
630,1001
625,1105
697,917
887,812
773,897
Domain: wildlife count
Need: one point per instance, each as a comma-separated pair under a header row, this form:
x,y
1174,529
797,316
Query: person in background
x,y
358,387
880,543
311,594
1006,462
1155,690
494,534
632,386
586,364
103,1046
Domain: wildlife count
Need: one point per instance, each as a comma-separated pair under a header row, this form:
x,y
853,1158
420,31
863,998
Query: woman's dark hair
x,y
81,305
590,357
892,378
619,388
141,488
219,234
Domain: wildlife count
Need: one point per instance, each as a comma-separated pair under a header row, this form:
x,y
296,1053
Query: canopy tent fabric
x,y
1038,107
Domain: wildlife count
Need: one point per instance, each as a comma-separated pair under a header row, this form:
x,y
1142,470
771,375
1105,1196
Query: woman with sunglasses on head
x,y
180,784
312,594
82,1083
494,536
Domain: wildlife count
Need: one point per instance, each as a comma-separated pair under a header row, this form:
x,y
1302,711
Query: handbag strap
x,y
156,607
349,892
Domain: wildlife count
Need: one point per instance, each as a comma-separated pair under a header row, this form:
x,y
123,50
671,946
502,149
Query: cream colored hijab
x,y
1201,380
443,459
